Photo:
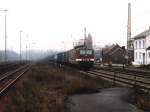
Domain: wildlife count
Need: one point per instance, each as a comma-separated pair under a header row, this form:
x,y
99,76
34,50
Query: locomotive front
x,y
85,58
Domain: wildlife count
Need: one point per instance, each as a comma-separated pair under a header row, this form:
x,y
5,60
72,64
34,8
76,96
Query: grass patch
x,y
46,89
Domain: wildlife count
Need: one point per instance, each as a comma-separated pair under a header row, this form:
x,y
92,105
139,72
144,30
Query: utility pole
x,y
5,34
5,55
20,44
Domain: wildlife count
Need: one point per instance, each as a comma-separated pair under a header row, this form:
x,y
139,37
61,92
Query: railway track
x,y
9,78
142,73
9,66
132,78
138,81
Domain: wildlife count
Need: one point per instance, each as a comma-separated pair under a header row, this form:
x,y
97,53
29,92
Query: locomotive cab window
x,y
89,52
82,51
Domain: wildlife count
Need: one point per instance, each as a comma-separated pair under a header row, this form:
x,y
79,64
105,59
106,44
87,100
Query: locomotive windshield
x,y
88,52
82,52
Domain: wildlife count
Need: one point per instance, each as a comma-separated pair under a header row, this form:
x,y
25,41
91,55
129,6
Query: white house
x,y
141,44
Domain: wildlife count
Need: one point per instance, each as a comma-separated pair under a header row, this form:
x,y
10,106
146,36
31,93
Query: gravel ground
x,y
108,100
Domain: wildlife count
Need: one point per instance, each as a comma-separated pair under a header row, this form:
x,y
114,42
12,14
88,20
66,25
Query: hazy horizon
x,y
54,25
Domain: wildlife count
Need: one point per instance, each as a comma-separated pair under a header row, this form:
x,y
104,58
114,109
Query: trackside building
x,y
141,44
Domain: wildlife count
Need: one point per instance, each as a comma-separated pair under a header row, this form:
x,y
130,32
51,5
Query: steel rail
x,y
130,72
9,83
129,77
5,75
126,79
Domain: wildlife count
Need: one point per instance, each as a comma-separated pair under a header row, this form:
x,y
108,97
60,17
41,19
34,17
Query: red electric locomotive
x,y
81,57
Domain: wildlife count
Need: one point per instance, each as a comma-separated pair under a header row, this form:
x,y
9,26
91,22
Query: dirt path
x,y
108,100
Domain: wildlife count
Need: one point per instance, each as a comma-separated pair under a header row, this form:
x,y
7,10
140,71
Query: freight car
x,y
80,57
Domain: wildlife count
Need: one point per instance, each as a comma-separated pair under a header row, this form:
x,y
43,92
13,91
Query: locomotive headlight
x,y
91,59
78,59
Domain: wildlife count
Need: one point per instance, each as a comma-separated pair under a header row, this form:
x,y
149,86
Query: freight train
x,y
80,57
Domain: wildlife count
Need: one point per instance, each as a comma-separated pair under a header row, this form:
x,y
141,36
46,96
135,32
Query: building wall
x,y
148,56
115,55
138,56
141,55
140,43
147,41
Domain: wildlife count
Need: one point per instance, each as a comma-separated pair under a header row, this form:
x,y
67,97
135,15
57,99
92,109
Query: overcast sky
x,y
50,23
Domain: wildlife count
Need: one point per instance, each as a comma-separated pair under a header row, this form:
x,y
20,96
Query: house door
x,y
143,58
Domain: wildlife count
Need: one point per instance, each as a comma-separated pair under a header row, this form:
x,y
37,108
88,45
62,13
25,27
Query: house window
x,y
136,55
143,44
139,55
149,54
136,44
139,44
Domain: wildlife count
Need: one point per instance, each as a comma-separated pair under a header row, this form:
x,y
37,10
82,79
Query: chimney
x,y
129,27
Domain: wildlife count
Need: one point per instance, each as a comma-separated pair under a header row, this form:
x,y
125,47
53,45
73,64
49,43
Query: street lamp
x,y
5,34
5,11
